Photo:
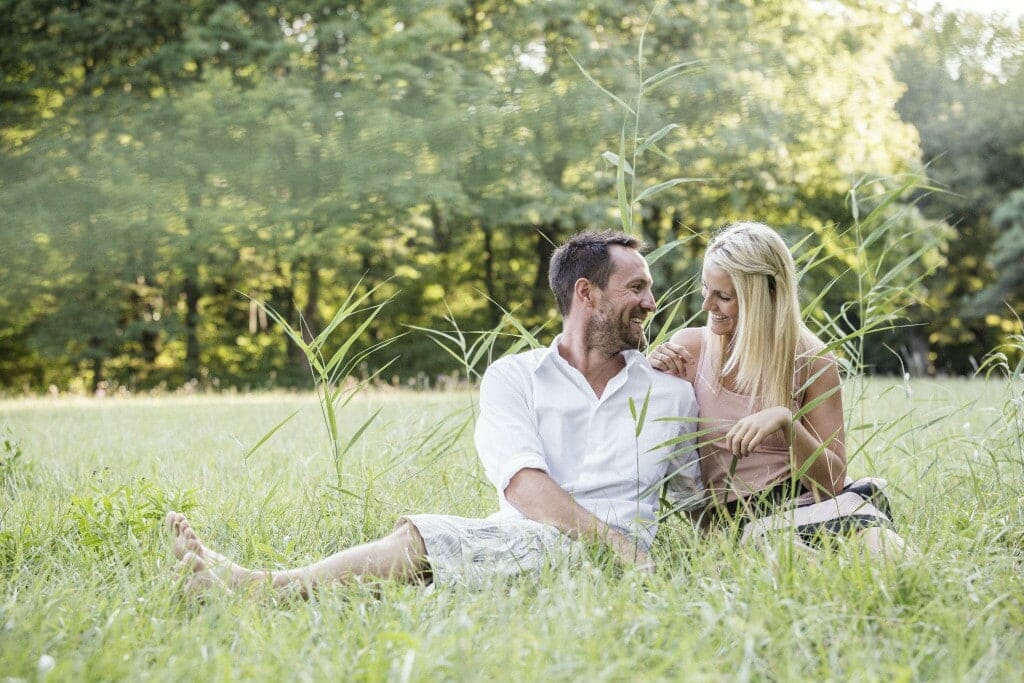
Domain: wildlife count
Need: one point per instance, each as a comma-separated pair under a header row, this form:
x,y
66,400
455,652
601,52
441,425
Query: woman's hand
x,y
674,359
749,432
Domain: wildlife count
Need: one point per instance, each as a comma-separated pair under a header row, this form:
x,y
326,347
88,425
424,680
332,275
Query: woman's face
x,y
720,301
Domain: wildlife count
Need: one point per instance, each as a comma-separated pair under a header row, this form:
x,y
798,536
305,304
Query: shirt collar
x,y
550,354
633,358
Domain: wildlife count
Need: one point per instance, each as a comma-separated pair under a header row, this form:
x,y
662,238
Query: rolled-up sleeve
x,y
506,436
685,489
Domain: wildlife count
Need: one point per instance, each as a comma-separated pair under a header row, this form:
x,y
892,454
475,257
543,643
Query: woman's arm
x,y
680,354
817,438
822,426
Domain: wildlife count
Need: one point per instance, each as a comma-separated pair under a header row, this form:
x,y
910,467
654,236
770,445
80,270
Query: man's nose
x,y
648,303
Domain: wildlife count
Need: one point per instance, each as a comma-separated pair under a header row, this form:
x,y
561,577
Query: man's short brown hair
x,y
585,255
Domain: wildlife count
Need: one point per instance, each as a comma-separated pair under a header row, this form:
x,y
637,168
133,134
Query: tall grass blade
x,y
358,433
625,207
343,350
266,437
612,96
660,187
617,161
655,137
674,71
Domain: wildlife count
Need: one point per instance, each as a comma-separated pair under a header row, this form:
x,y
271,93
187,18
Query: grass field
x,y
88,591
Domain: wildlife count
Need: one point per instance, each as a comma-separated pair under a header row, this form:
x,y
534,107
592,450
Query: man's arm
x,y
536,495
684,488
512,454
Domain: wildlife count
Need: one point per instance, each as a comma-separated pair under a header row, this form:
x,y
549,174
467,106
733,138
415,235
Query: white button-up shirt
x,y
538,411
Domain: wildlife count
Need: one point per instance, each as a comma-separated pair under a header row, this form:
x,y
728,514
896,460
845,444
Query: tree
x,y
87,93
1007,257
785,108
965,95
430,151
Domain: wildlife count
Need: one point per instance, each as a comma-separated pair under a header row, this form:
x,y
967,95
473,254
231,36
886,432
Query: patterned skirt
x,y
861,504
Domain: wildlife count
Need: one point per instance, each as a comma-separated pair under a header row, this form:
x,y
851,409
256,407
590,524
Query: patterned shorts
x,y
473,552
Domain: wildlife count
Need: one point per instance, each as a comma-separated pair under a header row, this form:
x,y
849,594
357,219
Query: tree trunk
x,y
191,288
493,316
916,353
442,233
311,322
283,300
97,366
547,238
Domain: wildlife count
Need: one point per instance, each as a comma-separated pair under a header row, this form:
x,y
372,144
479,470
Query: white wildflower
x,y
46,664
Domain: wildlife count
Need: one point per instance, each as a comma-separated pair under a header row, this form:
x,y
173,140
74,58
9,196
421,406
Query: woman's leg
x,y
885,544
401,555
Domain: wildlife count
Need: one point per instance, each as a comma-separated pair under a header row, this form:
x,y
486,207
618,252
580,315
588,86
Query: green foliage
x,y
1007,427
332,372
11,461
1007,258
631,148
874,254
965,89
475,350
436,152
112,521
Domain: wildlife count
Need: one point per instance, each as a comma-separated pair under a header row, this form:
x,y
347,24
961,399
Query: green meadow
x,y
89,590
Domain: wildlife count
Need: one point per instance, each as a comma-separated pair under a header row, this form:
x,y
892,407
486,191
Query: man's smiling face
x,y
624,303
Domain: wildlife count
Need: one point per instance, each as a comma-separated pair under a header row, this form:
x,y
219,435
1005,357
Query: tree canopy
x,y
165,166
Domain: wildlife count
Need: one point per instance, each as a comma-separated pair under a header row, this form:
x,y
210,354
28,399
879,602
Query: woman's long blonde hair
x,y
769,330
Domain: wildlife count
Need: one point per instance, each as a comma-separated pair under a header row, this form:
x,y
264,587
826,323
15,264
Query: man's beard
x,y
612,335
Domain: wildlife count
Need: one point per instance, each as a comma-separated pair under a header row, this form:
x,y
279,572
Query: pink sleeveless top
x,y
719,410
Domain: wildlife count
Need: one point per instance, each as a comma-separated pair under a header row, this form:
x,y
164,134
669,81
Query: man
x,y
570,436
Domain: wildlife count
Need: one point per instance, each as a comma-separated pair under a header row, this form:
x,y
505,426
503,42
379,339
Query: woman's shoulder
x,y
810,349
690,338
814,361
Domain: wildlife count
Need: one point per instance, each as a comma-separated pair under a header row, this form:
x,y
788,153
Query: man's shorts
x,y
473,552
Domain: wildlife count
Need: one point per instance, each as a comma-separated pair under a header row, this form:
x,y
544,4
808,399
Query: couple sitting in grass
x,y
579,437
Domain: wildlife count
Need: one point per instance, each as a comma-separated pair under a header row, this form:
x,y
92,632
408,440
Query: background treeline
x,y
164,163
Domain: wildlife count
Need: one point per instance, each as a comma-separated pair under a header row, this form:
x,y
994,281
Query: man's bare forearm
x,y
537,496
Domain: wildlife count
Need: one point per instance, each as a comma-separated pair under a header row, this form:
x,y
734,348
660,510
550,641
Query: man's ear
x,y
584,290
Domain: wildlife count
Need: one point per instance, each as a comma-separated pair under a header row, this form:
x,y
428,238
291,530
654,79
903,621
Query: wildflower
x,y
46,664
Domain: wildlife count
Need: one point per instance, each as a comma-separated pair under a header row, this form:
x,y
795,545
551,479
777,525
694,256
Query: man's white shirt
x,y
538,411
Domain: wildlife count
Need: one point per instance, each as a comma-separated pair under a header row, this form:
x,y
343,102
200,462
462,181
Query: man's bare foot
x,y
199,578
209,569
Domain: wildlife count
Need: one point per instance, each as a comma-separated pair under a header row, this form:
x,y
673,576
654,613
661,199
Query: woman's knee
x,y
406,533
886,543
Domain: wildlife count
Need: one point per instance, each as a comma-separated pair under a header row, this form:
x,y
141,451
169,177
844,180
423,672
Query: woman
x,y
770,402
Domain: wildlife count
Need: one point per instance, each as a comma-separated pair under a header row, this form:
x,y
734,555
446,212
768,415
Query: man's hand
x,y
627,554
537,496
